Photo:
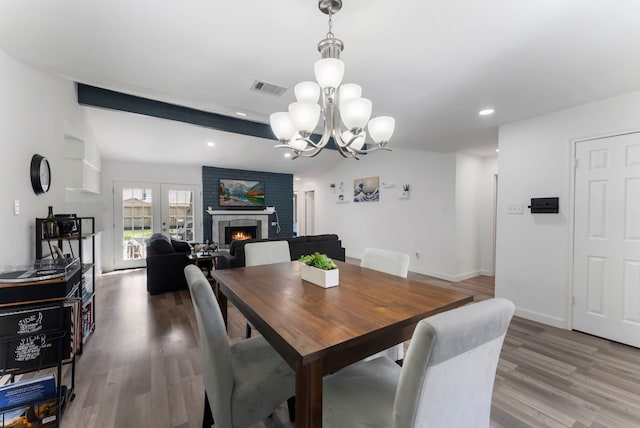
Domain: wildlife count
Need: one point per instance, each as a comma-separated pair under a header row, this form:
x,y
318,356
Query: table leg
x,y
309,395
222,302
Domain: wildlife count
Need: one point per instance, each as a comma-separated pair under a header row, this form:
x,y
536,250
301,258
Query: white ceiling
x,y
430,64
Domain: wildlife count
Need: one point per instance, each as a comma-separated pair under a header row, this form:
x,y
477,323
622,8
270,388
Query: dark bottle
x,y
50,224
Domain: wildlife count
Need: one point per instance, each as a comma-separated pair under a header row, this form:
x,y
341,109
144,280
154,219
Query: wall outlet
x,y
514,209
274,223
417,254
16,206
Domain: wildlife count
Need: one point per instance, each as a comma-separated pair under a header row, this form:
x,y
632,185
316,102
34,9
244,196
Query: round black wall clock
x,y
40,174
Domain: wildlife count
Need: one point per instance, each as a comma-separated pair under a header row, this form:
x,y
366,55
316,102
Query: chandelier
x,y
339,102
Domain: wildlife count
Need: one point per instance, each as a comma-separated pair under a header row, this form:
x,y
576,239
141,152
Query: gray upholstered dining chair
x,y
394,263
446,380
244,382
265,253
391,262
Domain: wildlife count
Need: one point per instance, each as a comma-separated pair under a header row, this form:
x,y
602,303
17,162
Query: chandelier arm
x,y
344,150
373,149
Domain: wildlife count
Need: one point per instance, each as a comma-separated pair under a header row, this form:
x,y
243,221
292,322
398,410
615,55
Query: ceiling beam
x,y
98,97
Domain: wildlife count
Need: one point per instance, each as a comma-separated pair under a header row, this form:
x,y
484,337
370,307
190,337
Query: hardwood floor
x,y
142,367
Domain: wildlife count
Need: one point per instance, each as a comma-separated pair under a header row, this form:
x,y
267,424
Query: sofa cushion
x,y
181,246
160,244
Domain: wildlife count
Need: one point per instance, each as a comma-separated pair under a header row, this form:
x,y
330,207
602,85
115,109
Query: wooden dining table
x,y
321,330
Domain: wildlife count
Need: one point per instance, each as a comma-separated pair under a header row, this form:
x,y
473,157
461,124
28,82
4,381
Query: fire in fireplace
x,y
240,233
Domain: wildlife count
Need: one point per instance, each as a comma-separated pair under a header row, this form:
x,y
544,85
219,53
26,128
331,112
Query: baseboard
x,y
542,318
485,272
434,274
468,275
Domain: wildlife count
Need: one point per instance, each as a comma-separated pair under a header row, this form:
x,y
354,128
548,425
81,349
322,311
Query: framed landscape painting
x,y
241,194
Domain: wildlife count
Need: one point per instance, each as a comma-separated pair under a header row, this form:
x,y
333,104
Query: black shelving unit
x,y
35,338
73,236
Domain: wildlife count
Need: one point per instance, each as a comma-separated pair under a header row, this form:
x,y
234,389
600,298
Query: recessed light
x,y
297,178
486,112
287,155
497,150
211,144
239,113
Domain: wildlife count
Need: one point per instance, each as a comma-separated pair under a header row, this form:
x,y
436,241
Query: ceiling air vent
x,y
268,88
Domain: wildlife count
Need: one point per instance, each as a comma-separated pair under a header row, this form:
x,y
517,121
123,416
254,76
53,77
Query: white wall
x,y
135,172
534,251
423,223
37,110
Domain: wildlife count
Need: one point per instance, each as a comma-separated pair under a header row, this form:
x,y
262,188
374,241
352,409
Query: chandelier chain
x,y
330,33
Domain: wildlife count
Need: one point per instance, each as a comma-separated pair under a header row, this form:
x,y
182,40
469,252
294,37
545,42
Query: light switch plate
x,y
16,206
514,209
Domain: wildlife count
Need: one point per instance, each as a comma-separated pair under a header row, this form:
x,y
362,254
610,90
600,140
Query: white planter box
x,y
323,278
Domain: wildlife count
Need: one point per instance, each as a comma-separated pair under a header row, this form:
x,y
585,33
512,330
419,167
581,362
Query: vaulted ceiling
x,y
431,64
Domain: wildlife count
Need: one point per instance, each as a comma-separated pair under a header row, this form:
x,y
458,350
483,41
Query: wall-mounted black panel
x,y
545,205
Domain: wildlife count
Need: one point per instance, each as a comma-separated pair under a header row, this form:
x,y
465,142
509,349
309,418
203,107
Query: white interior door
x,y
309,212
606,272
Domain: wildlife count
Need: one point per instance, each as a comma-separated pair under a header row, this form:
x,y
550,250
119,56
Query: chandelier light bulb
x,y
307,91
305,115
282,126
381,128
329,72
355,112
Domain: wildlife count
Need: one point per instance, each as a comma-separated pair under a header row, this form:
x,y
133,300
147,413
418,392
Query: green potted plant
x,y
319,269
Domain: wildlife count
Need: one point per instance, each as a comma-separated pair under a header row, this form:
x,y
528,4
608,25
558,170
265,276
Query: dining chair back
x,y
392,262
446,380
244,382
265,253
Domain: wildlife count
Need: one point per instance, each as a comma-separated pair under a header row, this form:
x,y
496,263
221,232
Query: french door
x,y
142,209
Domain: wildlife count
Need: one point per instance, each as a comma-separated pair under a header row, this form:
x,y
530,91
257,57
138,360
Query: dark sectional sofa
x,y
166,259
298,246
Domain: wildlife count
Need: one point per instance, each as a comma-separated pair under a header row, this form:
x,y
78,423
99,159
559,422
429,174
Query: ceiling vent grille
x,y
268,88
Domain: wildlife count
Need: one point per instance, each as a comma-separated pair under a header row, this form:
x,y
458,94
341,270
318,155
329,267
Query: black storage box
x,y
33,337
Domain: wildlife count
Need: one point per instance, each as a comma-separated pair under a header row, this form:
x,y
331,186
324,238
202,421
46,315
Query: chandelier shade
x,y
307,91
282,125
329,72
355,113
335,103
381,129
305,116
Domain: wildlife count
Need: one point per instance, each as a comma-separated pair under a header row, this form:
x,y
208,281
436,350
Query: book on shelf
x,y
27,391
42,414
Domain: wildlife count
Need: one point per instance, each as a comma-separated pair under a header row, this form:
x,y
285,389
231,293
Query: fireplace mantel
x,y
266,211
